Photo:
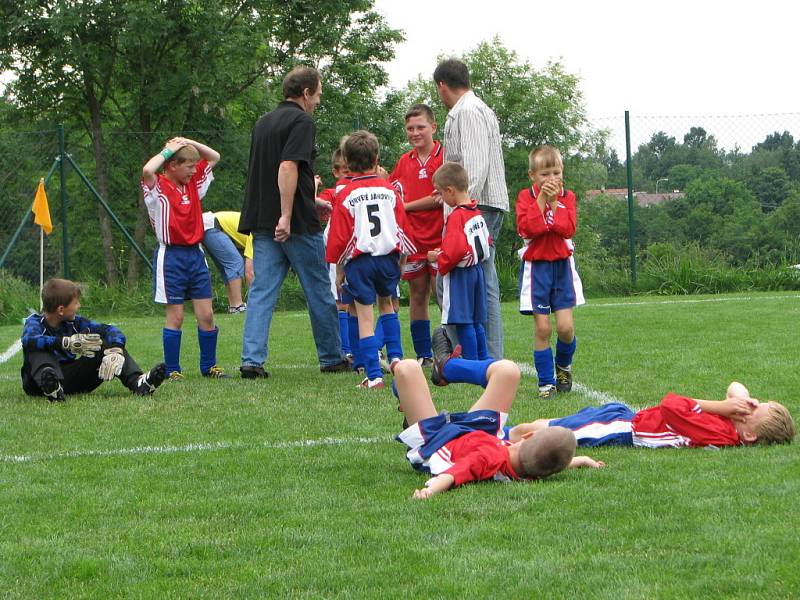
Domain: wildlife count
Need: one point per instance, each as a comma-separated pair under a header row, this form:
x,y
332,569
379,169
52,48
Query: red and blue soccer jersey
x,y
476,456
548,235
466,239
415,178
678,421
176,212
368,218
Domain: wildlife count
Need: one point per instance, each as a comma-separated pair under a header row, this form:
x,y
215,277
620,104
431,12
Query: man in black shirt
x,y
279,210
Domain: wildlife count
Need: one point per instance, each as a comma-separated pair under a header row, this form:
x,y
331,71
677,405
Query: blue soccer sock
x,y
369,349
171,339
459,370
379,333
390,325
421,337
565,351
355,346
543,361
480,337
468,341
344,331
208,348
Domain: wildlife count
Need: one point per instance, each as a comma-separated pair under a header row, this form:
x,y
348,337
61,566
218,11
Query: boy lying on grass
x,y
458,448
676,422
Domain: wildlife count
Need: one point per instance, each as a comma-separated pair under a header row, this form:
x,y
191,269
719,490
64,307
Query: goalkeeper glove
x,y
111,365
82,344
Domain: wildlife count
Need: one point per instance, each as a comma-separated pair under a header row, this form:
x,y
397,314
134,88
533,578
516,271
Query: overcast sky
x,y
678,58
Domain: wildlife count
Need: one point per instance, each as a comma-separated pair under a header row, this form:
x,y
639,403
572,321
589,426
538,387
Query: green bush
x,y
17,298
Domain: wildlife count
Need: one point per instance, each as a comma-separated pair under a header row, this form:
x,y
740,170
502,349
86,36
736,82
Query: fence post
x,y
629,169
64,198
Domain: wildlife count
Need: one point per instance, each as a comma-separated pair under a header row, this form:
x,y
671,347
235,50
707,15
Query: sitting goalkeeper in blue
x,y
65,353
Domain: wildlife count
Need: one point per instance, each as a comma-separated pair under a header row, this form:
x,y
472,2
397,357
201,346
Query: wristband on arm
x,y
167,153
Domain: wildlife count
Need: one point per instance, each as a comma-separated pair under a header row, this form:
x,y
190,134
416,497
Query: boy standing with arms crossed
x,y
180,271
465,244
414,172
366,240
548,281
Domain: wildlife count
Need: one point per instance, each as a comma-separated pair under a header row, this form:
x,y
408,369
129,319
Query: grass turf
x,y
293,487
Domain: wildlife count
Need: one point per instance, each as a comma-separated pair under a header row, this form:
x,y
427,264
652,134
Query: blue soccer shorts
x,y
606,425
367,277
464,296
180,273
547,286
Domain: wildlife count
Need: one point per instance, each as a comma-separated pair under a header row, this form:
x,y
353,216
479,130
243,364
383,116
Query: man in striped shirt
x,y
472,139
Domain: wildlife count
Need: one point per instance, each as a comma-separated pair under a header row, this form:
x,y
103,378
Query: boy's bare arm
x,y
152,166
440,483
425,203
735,409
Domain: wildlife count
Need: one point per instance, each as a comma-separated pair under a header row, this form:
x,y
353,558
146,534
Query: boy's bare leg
x,y
174,316
412,388
385,307
543,330
419,295
503,379
565,326
204,313
234,291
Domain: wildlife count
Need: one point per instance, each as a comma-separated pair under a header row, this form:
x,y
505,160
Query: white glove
x,y
111,365
82,344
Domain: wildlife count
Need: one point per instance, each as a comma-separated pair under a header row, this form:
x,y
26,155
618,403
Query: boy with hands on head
x,y
549,283
173,199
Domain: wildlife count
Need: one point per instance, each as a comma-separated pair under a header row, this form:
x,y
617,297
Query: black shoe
x,y
442,352
564,379
51,386
253,372
341,367
216,372
148,382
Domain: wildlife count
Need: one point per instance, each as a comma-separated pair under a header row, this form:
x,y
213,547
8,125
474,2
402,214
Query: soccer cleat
x,y
253,372
148,382
442,352
237,309
426,362
51,386
344,366
371,384
216,372
547,392
176,376
564,378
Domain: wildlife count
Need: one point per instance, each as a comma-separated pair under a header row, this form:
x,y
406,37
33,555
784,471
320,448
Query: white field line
x,y
590,304
187,448
594,395
12,350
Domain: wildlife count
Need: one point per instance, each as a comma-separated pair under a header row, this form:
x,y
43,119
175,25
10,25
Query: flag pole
x,y
41,266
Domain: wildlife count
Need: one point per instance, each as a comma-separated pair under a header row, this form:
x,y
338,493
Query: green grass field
x,y
293,486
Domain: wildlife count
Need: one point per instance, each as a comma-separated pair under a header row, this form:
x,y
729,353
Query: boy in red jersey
x,y
677,421
458,448
414,174
366,241
325,202
173,200
465,244
546,220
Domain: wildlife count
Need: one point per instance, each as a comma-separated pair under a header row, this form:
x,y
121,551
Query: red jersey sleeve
x,y
340,233
454,244
475,466
407,243
684,417
565,219
530,220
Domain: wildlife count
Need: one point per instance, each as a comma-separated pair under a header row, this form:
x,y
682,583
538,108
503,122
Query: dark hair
x,y
453,73
361,151
300,79
421,110
452,175
58,292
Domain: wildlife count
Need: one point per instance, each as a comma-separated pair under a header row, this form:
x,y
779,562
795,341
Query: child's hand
x,y
381,172
586,462
737,409
323,209
422,494
433,255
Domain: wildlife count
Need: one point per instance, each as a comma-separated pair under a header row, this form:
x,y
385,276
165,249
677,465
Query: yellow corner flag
x,y
41,210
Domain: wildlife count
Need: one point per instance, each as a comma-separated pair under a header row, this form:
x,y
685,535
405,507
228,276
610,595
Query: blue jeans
x,y
494,321
271,261
224,254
